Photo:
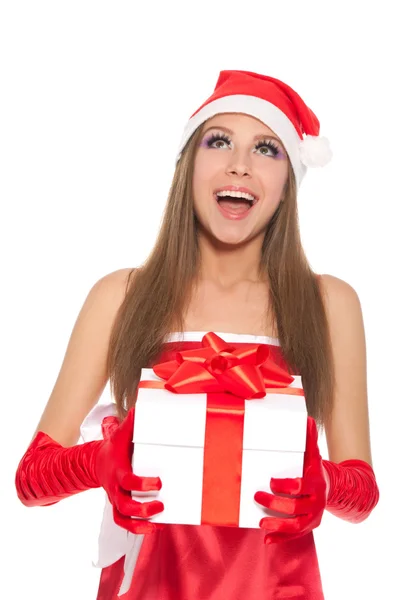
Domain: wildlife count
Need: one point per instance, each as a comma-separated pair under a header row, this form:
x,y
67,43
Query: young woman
x,y
228,260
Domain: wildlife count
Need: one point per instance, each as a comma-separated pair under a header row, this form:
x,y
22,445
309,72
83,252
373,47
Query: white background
x,y
94,97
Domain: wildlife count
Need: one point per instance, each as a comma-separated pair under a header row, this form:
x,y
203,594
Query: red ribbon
x,y
228,375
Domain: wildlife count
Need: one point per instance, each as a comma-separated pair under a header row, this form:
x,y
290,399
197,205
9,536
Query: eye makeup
x,y
214,137
274,150
272,146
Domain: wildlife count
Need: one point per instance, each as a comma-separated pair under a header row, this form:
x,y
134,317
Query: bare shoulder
x,y
341,301
83,373
337,290
117,280
344,315
348,432
114,284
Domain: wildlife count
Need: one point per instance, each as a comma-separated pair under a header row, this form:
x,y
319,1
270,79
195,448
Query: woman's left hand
x,y
304,498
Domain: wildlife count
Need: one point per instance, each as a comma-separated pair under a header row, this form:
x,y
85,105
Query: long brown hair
x,y
159,292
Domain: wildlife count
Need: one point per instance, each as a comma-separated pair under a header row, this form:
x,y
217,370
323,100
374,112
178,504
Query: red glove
x,y
114,471
306,508
347,489
353,491
49,472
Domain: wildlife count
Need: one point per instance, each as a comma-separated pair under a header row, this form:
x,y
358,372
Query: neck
x,y
229,264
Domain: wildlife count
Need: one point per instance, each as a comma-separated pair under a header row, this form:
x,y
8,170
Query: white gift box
x,y
169,442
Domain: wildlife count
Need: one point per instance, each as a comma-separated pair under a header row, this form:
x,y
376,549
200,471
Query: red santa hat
x,y
275,104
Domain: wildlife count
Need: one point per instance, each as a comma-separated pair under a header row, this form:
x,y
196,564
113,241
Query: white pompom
x,y
315,151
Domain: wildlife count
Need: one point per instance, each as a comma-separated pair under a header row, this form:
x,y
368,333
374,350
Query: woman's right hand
x,y
114,471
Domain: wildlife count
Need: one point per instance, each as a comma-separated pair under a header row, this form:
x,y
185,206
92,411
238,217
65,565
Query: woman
x,y
228,259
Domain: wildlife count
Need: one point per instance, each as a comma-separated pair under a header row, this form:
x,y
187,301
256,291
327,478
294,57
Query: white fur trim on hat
x,y
261,109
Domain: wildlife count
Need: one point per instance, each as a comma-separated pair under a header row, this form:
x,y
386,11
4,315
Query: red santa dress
x,y
191,562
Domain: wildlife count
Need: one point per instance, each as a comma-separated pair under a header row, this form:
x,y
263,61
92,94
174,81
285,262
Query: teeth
x,y
243,195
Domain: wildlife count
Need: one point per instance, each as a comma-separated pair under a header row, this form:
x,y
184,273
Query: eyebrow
x,y
262,136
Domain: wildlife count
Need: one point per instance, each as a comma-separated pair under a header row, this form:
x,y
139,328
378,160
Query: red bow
x,y
220,367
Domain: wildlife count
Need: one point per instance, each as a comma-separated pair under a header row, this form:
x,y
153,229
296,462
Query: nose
x,y
238,165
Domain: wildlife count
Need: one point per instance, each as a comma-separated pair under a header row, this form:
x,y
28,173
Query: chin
x,y
229,238
225,236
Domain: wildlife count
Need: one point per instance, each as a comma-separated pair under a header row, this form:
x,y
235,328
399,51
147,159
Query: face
x,y
240,171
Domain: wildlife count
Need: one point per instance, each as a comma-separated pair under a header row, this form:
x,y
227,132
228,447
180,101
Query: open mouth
x,y
235,203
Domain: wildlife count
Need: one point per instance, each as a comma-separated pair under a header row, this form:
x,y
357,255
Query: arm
x,y
345,484
352,490
53,467
83,377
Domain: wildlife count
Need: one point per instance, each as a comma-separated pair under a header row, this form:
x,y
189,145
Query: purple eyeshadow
x,y
281,155
204,143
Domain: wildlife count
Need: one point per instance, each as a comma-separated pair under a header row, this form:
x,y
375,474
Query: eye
x,y
269,146
211,142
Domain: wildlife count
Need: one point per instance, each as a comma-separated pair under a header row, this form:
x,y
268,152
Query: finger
x,y
131,482
287,506
125,433
276,538
108,426
129,507
285,526
312,438
135,525
291,486
127,425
